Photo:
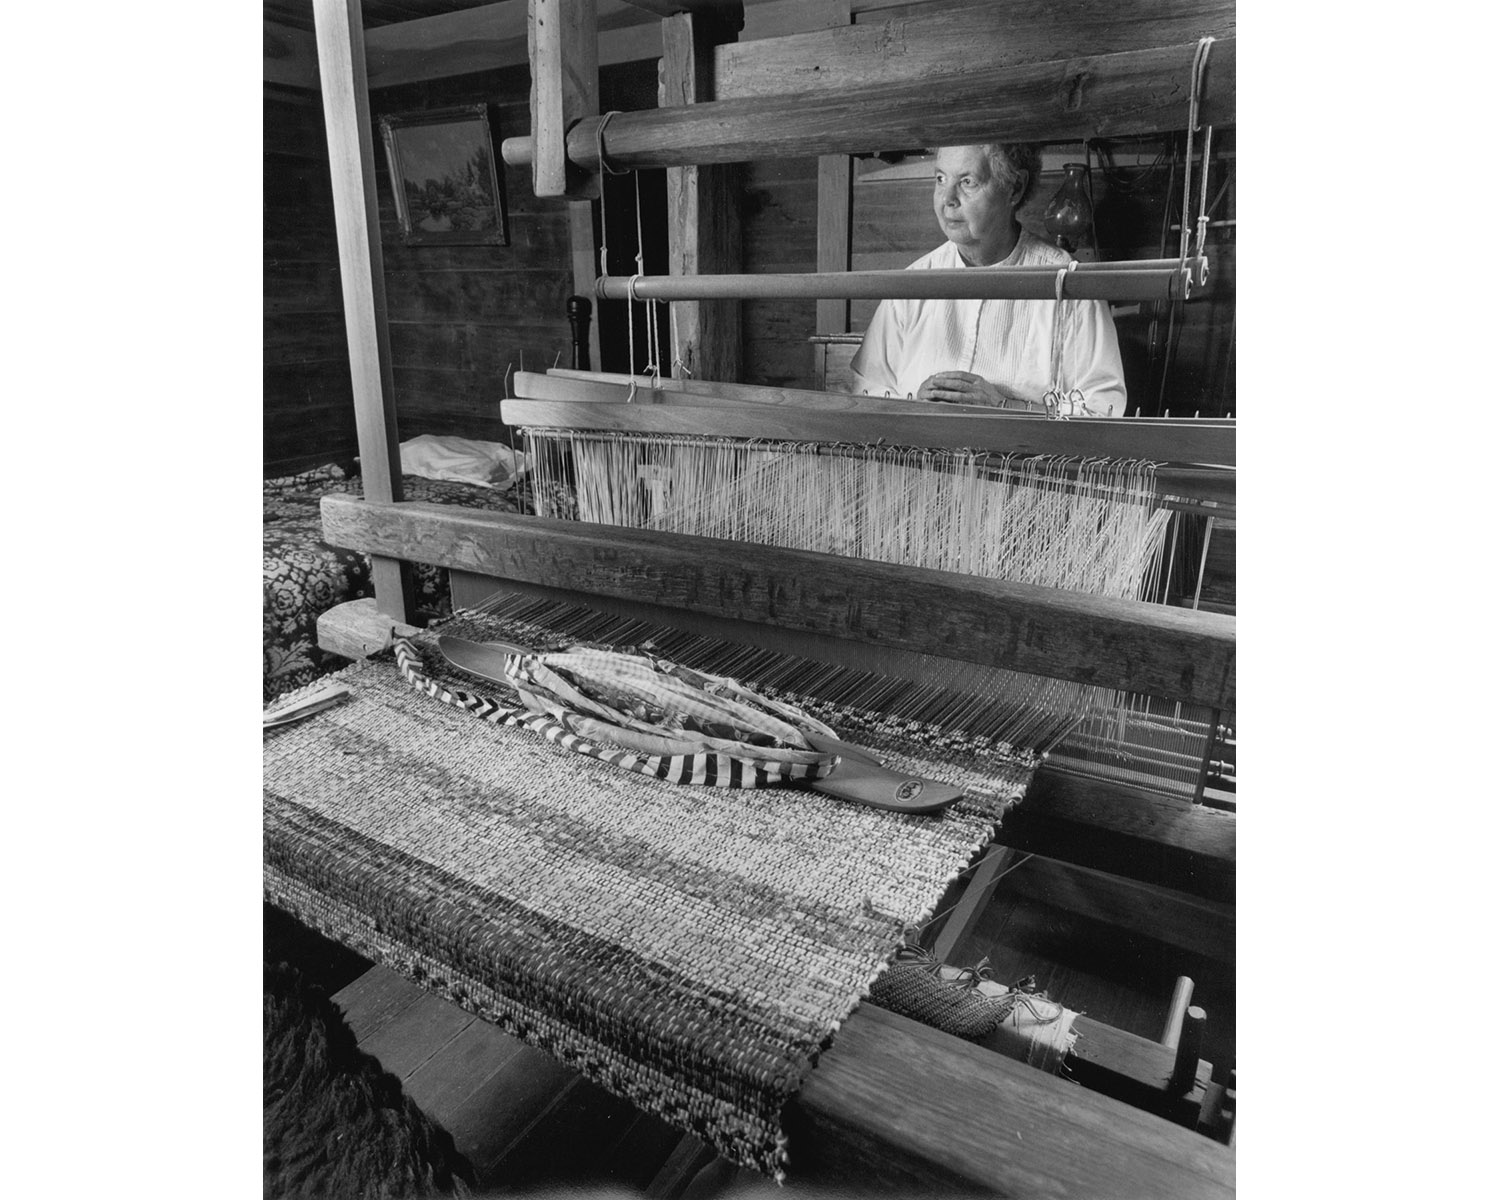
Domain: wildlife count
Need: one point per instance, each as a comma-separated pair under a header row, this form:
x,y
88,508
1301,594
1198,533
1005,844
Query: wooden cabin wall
x,y
460,316
1176,360
308,407
779,228
892,224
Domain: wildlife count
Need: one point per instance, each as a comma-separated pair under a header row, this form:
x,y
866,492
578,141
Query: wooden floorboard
x,y
494,1112
571,1143
376,997
445,1082
419,1031
638,1157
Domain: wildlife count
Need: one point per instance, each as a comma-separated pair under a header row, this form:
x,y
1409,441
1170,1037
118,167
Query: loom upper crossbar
x,y
995,433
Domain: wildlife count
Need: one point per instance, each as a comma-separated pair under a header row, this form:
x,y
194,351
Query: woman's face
x,y
973,207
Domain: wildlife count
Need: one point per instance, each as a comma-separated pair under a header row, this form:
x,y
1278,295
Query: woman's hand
x,y
964,387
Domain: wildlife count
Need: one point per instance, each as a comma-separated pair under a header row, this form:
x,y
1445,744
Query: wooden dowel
x,y
1126,282
1182,995
1189,1045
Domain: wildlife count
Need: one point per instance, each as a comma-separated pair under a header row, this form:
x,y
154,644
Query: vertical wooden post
x,y
585,263
835,201
835,208
351,158
703,216
562,37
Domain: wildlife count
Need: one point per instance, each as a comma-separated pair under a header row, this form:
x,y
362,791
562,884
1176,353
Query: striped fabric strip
x,y
704,769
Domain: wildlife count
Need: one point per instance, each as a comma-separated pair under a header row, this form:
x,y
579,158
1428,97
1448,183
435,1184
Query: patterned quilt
x,y
304,576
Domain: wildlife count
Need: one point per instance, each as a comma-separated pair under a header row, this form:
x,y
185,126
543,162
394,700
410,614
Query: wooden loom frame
x,y
891,1097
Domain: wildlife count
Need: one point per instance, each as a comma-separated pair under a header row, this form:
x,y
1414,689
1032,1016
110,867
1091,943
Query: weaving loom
x,y
967,591
1077,522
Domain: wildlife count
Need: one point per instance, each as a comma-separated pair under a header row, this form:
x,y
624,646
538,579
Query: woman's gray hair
x,y
1008,160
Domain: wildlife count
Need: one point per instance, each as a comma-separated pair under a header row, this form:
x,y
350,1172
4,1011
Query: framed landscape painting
x,y
447,177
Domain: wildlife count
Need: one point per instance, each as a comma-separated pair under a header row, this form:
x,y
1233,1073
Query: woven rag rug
x,y
690,948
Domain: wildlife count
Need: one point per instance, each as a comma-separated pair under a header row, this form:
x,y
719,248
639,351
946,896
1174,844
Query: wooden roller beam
x,y
1103,96
1173,653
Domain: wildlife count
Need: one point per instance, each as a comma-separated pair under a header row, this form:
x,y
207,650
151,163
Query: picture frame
x,y
447,176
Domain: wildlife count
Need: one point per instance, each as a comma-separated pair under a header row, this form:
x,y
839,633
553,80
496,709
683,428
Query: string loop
x,y
599,146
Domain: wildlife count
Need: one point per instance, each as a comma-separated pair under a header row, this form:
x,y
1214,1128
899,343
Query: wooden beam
x,y
351,154
835,215
487,38
1150,279
1167,915
1167,442
670,8
778,18
1135,1070
1109,95
996,862
897,1108
562,40
703,226
913,48
1127,831
1173,653
1188,489
291,57
453,43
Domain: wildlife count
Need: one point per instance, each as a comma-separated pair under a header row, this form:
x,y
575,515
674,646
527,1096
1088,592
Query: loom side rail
x,y
991,1125
1173,653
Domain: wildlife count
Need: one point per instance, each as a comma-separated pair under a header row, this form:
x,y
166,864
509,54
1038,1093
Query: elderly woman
x,y
997,353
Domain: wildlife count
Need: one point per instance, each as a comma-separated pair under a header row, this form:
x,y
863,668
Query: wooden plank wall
x,y
308,406
461,315
893,224
893,221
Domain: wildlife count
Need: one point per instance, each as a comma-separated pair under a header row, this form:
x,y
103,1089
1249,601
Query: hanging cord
x,y
653,335
608,170
604,166
680,369
1200,62
630,333
1059,401
1200,65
